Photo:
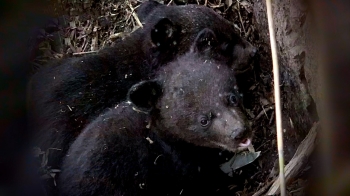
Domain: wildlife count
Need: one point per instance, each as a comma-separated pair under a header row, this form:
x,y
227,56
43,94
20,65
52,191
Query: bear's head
x,y
193,19
195,99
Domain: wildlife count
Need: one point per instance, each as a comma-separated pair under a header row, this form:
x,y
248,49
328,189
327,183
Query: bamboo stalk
x,y
277,98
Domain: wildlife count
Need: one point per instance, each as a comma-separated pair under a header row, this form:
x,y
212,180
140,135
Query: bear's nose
x,y
241,134
238,134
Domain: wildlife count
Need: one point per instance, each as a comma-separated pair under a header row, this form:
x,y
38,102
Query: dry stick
x,y
211,5
81,53
135,15
240,17
170,2
263,189
277,98
263,111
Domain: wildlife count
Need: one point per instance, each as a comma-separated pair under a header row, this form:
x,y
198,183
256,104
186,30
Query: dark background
x,y
18,21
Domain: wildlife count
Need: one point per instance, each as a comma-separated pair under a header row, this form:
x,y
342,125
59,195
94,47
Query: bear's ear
x,y
164,33
205,40
240,54
145,94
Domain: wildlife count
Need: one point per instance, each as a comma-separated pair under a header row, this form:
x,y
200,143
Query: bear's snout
x,y
240,133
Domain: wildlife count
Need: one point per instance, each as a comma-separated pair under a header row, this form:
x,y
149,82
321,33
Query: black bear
x,y
161,141
192,19
67,95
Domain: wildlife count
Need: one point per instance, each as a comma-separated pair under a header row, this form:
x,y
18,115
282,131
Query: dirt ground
x,y
83,27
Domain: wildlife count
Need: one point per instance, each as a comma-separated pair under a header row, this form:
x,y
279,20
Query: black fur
x,y
128,151
113,157
192,19
67,95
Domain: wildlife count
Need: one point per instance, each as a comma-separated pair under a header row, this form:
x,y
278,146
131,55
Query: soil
x,y
90,25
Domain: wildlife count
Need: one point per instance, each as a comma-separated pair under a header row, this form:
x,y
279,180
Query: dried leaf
x,y
228,2
238,161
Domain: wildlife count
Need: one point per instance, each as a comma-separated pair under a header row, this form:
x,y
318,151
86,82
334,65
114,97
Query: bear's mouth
x,y
245,142
243,145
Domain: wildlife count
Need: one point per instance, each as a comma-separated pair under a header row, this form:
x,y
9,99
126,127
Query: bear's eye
x,y
233,100
204,121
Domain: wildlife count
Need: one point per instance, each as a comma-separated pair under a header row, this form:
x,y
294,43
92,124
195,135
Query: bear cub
x,y
162,140
193,18
69,94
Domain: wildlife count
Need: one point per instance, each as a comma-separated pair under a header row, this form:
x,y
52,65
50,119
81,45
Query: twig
x,y
263,189
211,5
135,15
296,190
170,2
263,111
84,44
118,35
277,98
240,17
133,22
128,17
257,149
81,53
217,6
